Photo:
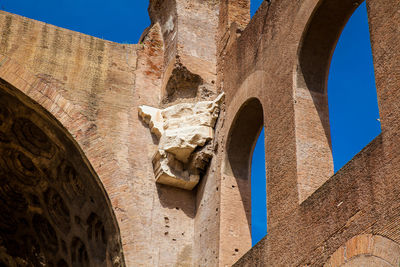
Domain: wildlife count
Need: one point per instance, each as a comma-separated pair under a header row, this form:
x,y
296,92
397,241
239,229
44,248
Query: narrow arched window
x,y
237,190
342,113
258,191
353,106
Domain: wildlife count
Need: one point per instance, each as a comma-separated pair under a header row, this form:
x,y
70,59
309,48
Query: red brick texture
x,y
275,68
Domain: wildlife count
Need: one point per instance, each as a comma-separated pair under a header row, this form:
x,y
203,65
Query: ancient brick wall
x,y
100,84
94,87
310,212
273,72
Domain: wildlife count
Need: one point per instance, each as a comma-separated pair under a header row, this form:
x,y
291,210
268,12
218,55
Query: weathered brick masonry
x,y
77,182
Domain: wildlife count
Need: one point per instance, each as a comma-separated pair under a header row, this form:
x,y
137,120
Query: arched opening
x,y
254,5
258,191
243,134
353,106
245,129
313,131
54,210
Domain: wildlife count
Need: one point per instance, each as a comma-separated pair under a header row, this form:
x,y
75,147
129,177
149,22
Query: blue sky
x,y
121,21
351,88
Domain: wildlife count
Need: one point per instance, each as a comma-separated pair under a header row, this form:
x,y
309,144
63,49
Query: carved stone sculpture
x,y
183,130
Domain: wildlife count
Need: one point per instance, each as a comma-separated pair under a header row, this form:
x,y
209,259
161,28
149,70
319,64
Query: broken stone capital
x,y
181,129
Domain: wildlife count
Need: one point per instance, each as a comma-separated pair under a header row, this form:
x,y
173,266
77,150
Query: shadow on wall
x,y
352,96
54,210
353,106
242,139
313,120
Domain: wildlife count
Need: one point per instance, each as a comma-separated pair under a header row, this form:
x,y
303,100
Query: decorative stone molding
x,y
183,130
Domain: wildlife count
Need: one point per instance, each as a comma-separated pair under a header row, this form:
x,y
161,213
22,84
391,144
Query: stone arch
x,y
54,209
366,250
242,138
321,31
245,128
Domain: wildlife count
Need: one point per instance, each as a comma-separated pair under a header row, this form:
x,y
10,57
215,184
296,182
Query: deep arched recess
x,y
242,138
54,210
313,137
244,131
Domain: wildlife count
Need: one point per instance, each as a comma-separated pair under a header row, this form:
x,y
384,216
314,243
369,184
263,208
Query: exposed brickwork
x,y
369,246
361,196
273,70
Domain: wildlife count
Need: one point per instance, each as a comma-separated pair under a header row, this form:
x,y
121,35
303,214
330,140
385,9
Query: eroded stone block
x,y
170,171
183,130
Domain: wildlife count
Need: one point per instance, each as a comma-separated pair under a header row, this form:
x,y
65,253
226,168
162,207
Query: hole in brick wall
x,y
352,109
353,106
241,143
254,5
243,134
258,191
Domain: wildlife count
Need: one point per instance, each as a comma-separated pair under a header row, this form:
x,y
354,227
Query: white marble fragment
x,y
181,129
